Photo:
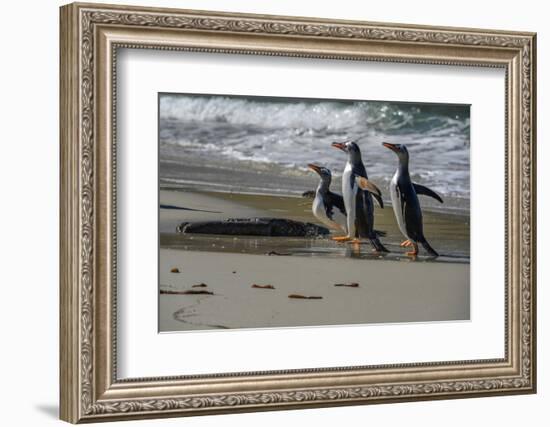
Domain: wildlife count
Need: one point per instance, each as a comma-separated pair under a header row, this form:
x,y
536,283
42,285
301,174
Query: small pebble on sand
x,y
200,285
262,286
298,296
348,285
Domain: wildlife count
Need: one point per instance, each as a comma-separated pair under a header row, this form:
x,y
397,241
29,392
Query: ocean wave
x,y
292,133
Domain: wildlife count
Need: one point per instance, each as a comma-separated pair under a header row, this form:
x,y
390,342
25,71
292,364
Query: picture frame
x,y
91,36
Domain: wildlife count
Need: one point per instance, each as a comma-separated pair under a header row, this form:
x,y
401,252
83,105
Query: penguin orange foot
x,y
414,252
341,238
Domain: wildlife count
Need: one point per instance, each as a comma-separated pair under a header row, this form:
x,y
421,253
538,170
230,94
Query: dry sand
x,y
389,291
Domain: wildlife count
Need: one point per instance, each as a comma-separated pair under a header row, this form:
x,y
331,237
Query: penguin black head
x,y
350,147
324,173
400,150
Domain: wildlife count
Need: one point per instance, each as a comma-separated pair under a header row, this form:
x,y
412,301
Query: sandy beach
x,y
413,292
390,288
241,157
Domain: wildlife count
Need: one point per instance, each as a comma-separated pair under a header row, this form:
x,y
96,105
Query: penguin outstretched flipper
x,y
420,189
367,185
379,200
337,201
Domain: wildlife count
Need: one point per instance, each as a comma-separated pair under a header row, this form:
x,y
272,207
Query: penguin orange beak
x,y
392,147
339,145
314,167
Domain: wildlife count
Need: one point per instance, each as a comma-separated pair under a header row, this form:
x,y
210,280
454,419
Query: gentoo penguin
x,y
358,201
328,207
404,197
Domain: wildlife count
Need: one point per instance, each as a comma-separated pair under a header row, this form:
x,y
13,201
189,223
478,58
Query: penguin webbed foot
x,y
414,252
341,238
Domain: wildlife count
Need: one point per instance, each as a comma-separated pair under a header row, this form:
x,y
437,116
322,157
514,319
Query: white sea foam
x,y
292,133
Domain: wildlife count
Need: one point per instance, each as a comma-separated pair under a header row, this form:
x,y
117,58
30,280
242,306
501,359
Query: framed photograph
x,y
267,212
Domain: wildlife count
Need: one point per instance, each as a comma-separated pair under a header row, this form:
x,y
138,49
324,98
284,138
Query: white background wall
x,y
29,170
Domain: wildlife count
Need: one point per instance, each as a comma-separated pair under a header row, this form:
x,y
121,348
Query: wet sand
x,y
392,288
447,233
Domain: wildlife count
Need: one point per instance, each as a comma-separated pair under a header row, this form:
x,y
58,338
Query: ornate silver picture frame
x,y
91,36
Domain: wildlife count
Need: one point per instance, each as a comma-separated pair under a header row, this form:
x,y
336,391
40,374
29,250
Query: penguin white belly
x,y
320,212
349,194
396,203
340,219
